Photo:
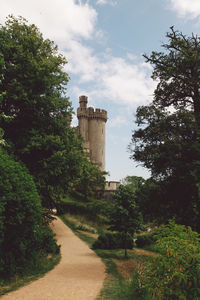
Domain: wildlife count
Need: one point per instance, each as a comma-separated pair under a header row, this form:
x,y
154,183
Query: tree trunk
x,y
197,111
125,243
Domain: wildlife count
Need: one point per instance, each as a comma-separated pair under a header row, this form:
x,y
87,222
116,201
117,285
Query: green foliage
x,y
134,182
116,285
23,236
71,207
113,241
38,267
125,216
34,83
167,142
177,73
145,240
1,96
91,209
175,273
90,180
35,98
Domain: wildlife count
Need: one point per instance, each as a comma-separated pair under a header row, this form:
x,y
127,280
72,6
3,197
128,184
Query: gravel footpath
x,y
78,276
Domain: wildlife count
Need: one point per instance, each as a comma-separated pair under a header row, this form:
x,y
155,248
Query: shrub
x,y
22,231
113,241
175,274
84,227
46,241
145,240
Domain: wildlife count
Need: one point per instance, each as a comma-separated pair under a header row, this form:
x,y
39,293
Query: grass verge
x,y
38,270
121,274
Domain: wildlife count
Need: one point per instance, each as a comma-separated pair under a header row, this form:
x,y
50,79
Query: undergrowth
x,y
35,271
117,285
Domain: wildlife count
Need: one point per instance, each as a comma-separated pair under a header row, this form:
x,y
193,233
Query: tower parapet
x,y
82,110
83,100
92,128
98,113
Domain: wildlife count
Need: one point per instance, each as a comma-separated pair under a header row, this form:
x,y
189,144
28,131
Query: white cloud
x,y
117,121
71,23
103,2
186,8
82,60
58,20
131,57
113,78
127,83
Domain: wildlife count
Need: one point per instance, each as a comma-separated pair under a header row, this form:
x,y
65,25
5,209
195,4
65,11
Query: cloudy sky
x,y
103,41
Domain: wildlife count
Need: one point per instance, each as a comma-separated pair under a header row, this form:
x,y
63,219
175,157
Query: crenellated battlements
x,y
97,114
90,112
82,112
92,128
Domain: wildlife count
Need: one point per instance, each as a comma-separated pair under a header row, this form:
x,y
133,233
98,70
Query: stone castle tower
x,y
91,125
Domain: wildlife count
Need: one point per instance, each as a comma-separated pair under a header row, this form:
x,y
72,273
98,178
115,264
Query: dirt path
x,y
78,276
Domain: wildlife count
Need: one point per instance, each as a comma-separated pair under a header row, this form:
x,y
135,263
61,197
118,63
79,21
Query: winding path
x,y
78,276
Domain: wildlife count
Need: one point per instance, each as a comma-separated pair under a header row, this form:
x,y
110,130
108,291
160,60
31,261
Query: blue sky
x,y
103,41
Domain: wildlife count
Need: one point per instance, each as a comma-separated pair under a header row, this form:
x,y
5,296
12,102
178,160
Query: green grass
x,y
37,270
117,286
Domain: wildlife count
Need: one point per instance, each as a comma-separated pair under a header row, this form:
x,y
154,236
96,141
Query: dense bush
x,y
22,232
113,241
175,273
145,240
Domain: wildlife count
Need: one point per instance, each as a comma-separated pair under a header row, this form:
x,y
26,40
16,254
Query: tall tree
x,y
1,96
168,140
35,98
177,71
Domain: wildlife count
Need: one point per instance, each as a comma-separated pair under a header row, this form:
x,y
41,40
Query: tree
x,y
178,73
125,216
1,96
91,179
134,182
39,133
167,142
23,236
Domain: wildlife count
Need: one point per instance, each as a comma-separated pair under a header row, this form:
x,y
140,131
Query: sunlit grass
x,y
121,273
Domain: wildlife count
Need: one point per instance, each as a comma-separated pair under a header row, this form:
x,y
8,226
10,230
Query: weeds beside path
x,y
121,281
79,275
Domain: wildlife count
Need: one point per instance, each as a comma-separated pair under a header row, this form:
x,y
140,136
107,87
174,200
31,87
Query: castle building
x,y
92,127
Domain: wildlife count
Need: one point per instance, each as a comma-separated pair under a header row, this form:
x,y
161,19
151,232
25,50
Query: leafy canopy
x,y
167,142
39,133
125,216
23,236
133,182
177,71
